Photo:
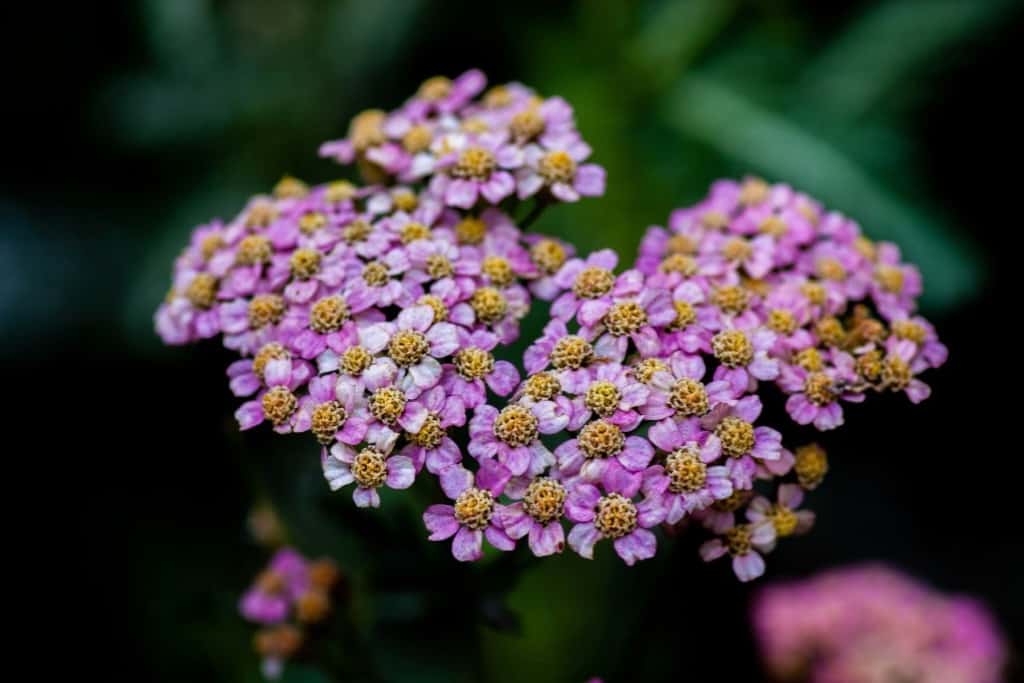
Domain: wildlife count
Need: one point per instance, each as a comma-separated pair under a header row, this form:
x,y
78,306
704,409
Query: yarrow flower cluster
x,y
871,624
370,316
292,595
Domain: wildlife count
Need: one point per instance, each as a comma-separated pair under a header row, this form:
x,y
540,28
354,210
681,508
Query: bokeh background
x,y
135,121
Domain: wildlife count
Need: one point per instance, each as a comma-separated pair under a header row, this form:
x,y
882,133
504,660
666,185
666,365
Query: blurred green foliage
x,y
225,97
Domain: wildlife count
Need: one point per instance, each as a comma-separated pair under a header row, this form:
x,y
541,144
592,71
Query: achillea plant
x,y
872,624
370,315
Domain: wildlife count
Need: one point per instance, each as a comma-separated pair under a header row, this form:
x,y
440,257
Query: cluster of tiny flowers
x,y
369,317
290,596
872,624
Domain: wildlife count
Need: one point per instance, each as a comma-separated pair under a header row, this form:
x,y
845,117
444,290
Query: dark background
x,y
130,123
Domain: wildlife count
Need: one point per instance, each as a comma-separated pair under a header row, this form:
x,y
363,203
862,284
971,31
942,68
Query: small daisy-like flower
x,y
616,516
744,543
678,390
431,445
512,435
740,441
783,514
895,285
559,350
587,280
815,394
537,516
743,357
477,167
630,313
414,342
557,164
247,375
474,515
276,589
377,283
686,482
370,467
607,390
474,369
278,403
602,452
334,411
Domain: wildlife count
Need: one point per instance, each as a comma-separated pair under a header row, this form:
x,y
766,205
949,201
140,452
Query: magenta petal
x,y
547,540
499,539
468,545
641,544
440,522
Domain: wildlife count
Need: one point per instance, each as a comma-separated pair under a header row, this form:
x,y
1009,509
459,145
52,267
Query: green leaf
x,y
885,47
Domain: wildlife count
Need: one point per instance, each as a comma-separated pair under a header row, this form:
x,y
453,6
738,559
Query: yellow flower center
x,y
544,500
470,230
278,404
548,255
616,516
475,163
542,387
571,352
498,270
261,215
473,508
737,540
516,426
417,139
369,468
305,263
731,299
253,249
593,282
781,321
265,309
809,359
413,231
367,130
387,405
326,419
355,360
430,435
557,167
210,245
473,363
830,269
603,398
753,192
818,388
328,314
339,191
438,306
312,221
732,348
489,304
407,347
625,318
685,315
679,263
774,226
688,397
527,124
869,365
356,231
685,470
830,331
714,220
737,436
645,369
737,249
601,439
290,188
436,88
896,374
202,291
376,274
811,465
